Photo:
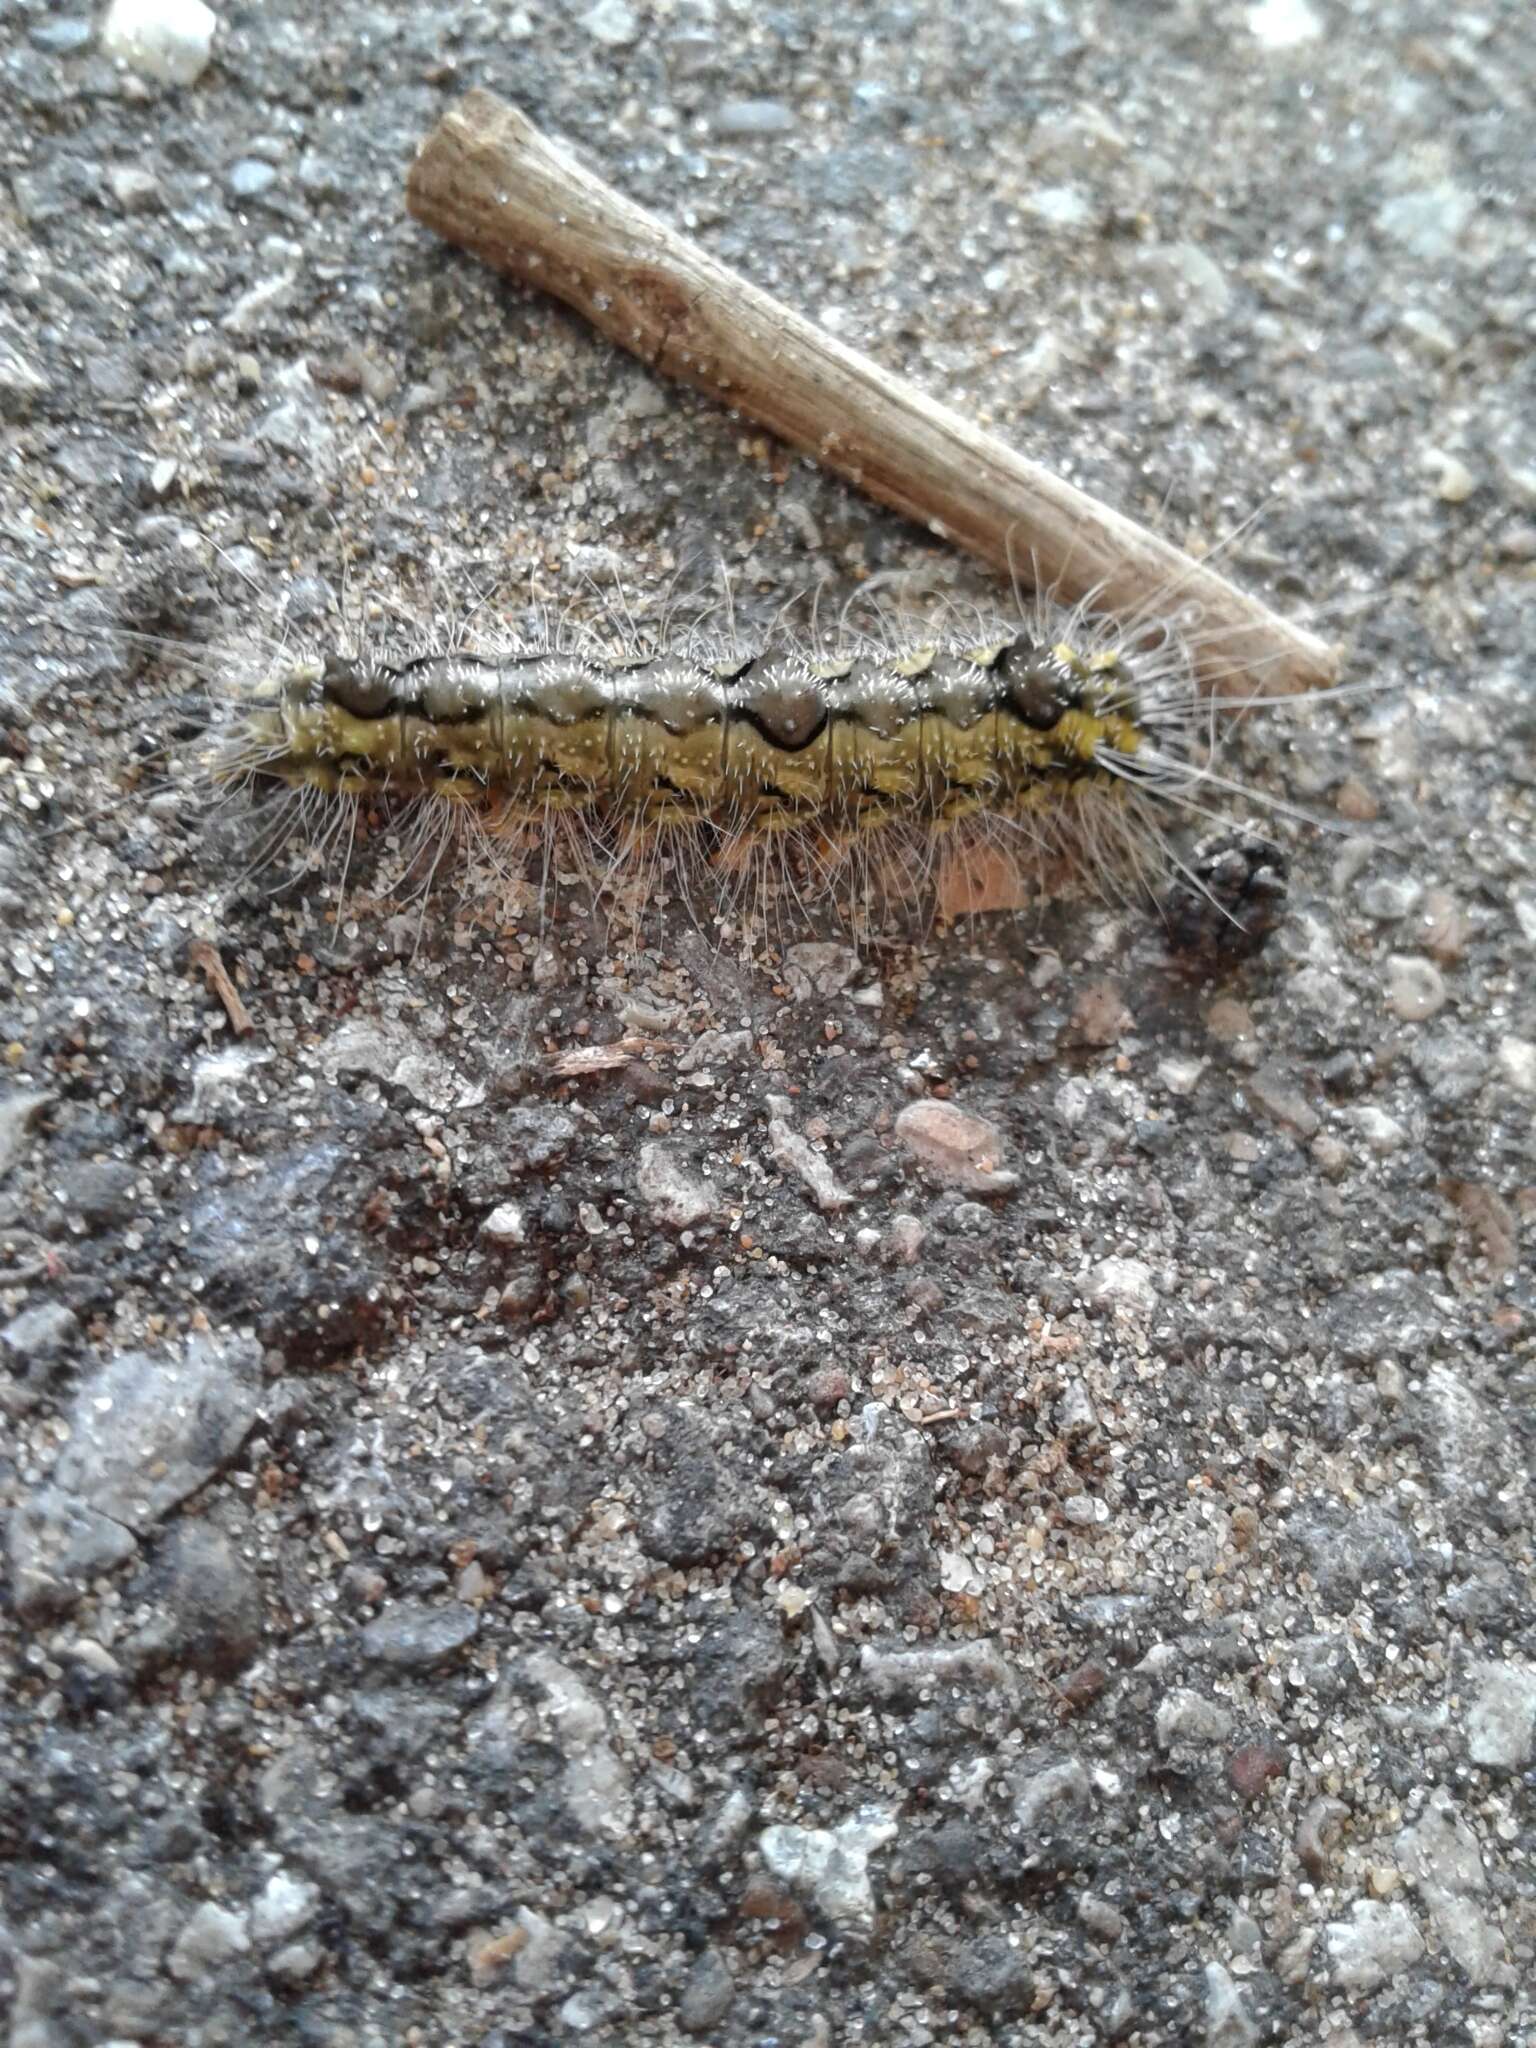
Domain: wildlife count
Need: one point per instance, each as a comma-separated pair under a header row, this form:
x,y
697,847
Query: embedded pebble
x,y
1228,2023
1189,276
795,1154
1379,1132
61,37
611,22
1443,929
283,1908
212,1938
541,1700
989,1973
1390,897
1517,1059
674,1195
250,177
1429,221
506,1225
1283,24
39,1336
1275,1094
707,1994
295,1962
817,968
1501,1720
959,1150
830,1866
135,189
1251,1769
145,1431
1100,1016
1060,206
1415,987
205,1604
22,383
18,1114
1045,1798
974,1667
1453,482
741,120
411,1636
1188,1716
1375,1943
905,1239
167,42
393,1053
1316,1832
1124,1284
1439,1854
1428,333
1179,1074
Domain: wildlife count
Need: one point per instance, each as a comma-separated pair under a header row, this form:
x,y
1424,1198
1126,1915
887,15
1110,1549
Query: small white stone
x,y
1453,482
166,41
1059,206
611,22
1186,1716
284,1905
1428,333
1179,1075
1517,1057
1121,1284
1375,1943
830,1866
673,1195
1378,1131
1282,24
505,1225
210,1939
1415,987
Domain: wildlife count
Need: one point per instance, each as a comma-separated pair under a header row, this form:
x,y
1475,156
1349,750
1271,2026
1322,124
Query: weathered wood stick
x,y
488,180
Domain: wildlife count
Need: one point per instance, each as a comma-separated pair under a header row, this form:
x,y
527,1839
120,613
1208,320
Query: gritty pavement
x,y
566,1489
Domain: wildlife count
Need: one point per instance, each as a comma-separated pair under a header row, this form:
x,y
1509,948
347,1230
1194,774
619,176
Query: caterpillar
x,y
884,771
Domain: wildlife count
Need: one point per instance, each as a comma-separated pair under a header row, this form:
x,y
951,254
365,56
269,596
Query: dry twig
x,y
202,955
488,180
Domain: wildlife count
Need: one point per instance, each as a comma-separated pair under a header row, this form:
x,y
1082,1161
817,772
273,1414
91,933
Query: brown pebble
x,y
1080,1688
975,1448
1442,928
1355,802
826,1772
1228,1020
824,1389
1316,1833
762,1899
523,1291
1251,1768
959,1150
1099,1015
489,1954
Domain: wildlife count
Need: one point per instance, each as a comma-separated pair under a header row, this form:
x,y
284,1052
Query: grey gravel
x,y
962,1486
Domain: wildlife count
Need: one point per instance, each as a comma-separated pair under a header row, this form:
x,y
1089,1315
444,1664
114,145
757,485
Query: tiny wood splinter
x,y
487,180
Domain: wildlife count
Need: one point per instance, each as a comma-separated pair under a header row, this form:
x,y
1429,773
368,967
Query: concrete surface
x,y
508,1558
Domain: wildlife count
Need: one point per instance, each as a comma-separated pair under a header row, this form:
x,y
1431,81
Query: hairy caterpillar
x,y
884,772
